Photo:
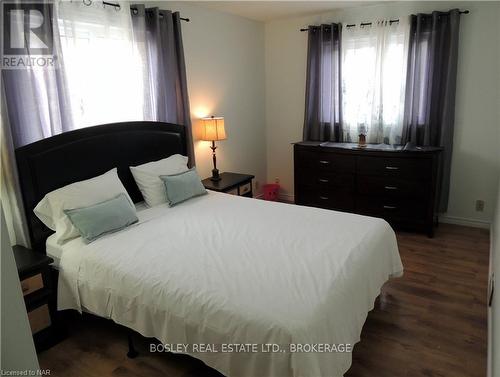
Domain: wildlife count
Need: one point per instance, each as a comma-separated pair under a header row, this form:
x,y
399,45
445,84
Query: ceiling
x,y
272,10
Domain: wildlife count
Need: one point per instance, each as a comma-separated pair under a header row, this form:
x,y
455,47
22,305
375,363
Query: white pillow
x,y
51,208
147,177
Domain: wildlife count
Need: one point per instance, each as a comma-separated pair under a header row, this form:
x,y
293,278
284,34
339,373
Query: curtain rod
x,y
118,7
390,21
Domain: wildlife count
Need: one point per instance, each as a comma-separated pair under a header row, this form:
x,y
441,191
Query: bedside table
x,y
39,295
231,183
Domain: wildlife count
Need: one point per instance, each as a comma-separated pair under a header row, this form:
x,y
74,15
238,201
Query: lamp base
x,y
215,175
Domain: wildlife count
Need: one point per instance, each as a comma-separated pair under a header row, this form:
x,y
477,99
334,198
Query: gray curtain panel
x,y
430,88
159,32
37,102
10,192
35,105
323,112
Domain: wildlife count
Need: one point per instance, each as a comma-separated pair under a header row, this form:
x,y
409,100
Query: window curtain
x,y
37,97
158,34
373,80
323,113
104,69
35,105
112,65
431,83
10,191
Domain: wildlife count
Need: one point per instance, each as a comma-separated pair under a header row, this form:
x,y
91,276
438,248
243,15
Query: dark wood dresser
x,y
389,182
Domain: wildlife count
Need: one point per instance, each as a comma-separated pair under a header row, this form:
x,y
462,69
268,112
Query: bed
x,y
252,288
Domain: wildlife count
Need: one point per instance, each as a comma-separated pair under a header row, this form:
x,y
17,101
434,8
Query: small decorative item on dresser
x,y
231,183
362,140
39,295
362,136
213,130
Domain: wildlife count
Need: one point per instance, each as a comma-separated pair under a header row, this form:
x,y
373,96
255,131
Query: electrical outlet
x,y
276,180
479,205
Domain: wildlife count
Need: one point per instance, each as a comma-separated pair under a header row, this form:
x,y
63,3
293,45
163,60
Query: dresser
x,y
390,182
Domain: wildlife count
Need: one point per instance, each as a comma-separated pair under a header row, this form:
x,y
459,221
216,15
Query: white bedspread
x,y
222,269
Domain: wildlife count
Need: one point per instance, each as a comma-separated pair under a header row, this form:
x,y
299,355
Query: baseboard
x,y
290,198
464,221
287,198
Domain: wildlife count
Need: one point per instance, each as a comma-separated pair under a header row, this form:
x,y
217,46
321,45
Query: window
x,y
374,60
104,70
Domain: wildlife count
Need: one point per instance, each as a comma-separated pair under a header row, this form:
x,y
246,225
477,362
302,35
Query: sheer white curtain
x,y
374,61
10,194
113,66
107,76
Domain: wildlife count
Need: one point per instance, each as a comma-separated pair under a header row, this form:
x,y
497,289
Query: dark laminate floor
x,y
431,322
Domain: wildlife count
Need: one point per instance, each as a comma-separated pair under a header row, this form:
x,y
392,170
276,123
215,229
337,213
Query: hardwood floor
x,y
431,322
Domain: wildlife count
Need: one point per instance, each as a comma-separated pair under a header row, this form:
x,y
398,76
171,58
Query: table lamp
x,y
213,130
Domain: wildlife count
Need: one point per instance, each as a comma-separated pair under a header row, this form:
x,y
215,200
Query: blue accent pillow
x,y
103,218
183,186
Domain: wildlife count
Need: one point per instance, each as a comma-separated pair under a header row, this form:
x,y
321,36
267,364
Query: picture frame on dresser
x,y
392,182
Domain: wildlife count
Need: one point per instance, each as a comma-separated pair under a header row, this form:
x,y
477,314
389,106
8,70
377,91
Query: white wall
x,y
17,349
494,311
225,71
474,167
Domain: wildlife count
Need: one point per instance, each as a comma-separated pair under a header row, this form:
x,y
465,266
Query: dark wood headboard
x,y
74,156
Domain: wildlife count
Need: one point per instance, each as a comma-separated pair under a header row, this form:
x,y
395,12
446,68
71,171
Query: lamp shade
x,y
213,129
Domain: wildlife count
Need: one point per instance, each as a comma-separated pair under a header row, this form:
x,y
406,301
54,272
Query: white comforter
x,y
222,270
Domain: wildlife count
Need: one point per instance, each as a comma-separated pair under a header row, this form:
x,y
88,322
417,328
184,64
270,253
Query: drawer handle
x,y
390,207
324,180
324,162
25,287
323,197
390,187
391,168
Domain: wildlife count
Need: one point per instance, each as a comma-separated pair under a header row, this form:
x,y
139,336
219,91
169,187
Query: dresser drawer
x,y
323,178
391,209
32,284
332,162
39,318
246,188
397,167
324,198
391,187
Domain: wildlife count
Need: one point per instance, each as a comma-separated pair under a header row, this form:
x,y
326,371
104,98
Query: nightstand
x,y
231,183
39,294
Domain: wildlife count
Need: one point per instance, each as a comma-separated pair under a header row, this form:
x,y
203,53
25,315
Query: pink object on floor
x,y
271,191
